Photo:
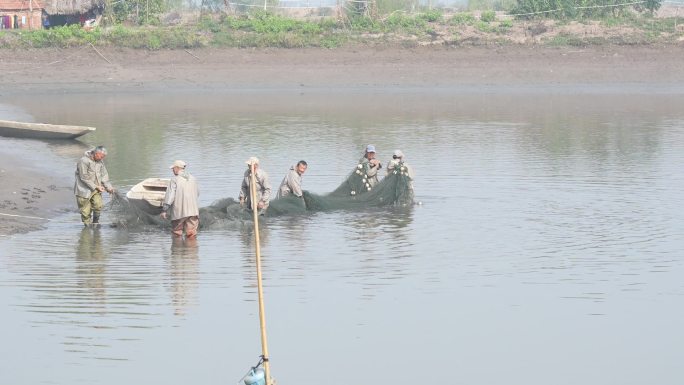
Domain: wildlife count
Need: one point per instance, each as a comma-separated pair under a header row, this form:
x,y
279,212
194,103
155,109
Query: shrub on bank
x,y
586,9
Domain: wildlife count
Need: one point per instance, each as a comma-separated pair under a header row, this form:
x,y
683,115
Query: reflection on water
x,y
91,269
550,231
183,273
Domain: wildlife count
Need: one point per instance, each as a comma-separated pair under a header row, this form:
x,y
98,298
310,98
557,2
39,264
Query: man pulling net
x,y
356,192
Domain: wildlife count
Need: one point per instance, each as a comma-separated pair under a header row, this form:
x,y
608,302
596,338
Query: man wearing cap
x,y
91,180
180,202
292,183
263,186
370,165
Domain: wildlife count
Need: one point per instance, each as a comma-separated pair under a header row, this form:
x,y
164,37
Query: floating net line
x,y
353,193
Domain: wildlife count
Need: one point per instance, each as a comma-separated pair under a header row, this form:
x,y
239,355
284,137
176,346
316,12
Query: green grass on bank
x,y
262,29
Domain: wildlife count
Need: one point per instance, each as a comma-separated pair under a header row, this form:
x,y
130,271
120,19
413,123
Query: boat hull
x,y
148,195
42,130
146,206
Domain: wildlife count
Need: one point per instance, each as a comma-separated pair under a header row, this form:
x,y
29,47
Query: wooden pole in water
x,y
260,289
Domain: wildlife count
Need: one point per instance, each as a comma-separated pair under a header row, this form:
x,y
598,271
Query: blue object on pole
x,y
255,377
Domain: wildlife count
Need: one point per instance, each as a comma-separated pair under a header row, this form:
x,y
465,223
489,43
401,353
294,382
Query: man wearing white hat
x,y
181,201
397,158
396,164
370,165
263,186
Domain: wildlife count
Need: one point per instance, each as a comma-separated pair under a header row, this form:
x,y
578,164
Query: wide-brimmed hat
x,y
398,154
370,148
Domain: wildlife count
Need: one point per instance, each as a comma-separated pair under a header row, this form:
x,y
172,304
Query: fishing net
x,y
224,213
354,193
126,215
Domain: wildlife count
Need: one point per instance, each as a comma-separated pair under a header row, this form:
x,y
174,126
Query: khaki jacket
x,y
90,174
392,164
291,184
263,187
181,196
371,172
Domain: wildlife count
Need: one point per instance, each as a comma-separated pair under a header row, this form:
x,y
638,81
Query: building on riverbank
x,y
21,14
39,14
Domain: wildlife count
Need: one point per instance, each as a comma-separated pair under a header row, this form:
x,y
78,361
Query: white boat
x,y
42,130
148,195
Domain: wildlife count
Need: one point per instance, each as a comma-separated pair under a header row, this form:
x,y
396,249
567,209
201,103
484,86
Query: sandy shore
x,y
29,196
29,192
85,70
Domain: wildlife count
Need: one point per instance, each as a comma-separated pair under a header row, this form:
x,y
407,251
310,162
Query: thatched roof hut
x,y
71,7
20,5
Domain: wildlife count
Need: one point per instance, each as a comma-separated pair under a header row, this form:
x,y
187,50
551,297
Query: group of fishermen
x,y
181,200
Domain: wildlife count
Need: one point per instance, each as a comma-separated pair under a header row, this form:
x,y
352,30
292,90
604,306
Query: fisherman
x,y
398,165
91,180
263,186
181,201
396,162
292,183
370,165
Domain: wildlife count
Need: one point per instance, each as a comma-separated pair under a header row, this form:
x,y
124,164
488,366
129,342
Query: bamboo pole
x,y
98,52
260,289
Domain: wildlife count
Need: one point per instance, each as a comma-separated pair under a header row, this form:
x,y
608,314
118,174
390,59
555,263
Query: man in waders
x,y
181,201
263,186
91,180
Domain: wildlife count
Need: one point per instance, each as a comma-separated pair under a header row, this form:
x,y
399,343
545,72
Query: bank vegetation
x,y
522,22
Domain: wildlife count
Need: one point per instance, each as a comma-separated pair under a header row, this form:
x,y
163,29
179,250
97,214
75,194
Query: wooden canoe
x,y
148,195
42,130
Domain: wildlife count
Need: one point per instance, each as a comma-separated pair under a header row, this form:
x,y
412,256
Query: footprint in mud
x,y
35,196
24,193
40,190
52,187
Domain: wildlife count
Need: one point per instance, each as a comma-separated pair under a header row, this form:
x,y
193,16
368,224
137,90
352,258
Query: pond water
x,y
547,247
